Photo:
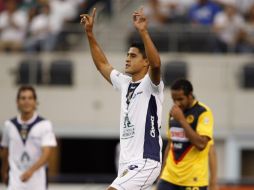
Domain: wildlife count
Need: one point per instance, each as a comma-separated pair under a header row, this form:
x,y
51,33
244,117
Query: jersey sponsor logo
x,y
178,145
178,134
128,130
152,131
138,93
25,161
124,173
206,120
132,167
192,188
190,119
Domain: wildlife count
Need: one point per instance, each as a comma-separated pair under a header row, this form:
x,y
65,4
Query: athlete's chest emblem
x,y
24,162
128,129
190,119
152,130
24,132
124,173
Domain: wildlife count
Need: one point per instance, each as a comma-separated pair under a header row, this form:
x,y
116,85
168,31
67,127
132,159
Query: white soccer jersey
x,y
24,142
140,119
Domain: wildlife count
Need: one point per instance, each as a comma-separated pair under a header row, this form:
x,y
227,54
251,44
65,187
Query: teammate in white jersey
x,y
27,143
141,106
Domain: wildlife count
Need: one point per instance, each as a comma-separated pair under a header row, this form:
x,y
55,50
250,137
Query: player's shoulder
x,y
44,121
119,74
147,79
204,109
10,121
204,106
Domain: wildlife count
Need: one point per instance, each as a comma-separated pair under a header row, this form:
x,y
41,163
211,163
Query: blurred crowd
x,y
38,25
231,21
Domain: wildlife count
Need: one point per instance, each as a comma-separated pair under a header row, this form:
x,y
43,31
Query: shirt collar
x,y
20,121
193,103
138,81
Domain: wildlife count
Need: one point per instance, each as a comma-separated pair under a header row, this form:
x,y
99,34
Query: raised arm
x,y
140,22
98,55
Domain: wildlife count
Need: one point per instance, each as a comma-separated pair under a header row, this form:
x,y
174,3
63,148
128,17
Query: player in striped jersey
x,y
190,134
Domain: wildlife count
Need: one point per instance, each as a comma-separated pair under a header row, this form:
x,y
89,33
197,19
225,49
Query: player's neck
x,y
138,76
192,103
26,116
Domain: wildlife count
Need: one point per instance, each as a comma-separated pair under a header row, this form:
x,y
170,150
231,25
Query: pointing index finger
x,y
94,11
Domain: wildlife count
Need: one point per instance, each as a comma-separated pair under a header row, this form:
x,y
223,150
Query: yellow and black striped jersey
x,y
185,164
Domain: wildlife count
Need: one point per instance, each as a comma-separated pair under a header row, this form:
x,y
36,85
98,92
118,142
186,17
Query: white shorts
x,y
137,175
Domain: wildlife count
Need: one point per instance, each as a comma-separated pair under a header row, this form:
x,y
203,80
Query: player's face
x,y
181,99
26,102
135,61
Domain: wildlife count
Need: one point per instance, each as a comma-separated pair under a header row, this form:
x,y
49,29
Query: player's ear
x,y
146,62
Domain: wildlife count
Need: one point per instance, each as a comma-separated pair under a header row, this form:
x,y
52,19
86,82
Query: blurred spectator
x,y
242,6
13,24
203,12
246,37
167,11
61,12
86,6
228,27
28,4
156,12
39,32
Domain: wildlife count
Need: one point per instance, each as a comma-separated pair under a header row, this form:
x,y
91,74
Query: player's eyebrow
x,y
131,53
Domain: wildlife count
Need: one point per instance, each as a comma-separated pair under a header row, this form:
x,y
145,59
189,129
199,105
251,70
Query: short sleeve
x,y
48,138
205,124
5,136
155,88
118,79
211,142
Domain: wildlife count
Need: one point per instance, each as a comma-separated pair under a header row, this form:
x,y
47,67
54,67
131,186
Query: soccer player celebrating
x,y
141,106
190,135
27,143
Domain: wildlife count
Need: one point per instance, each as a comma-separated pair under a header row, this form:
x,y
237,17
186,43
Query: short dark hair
x,y
24,88
140,46
182,84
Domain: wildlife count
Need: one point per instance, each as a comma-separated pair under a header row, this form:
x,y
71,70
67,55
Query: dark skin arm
x,y
140,22
99,58
46,152
5,165
199,141
213,168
